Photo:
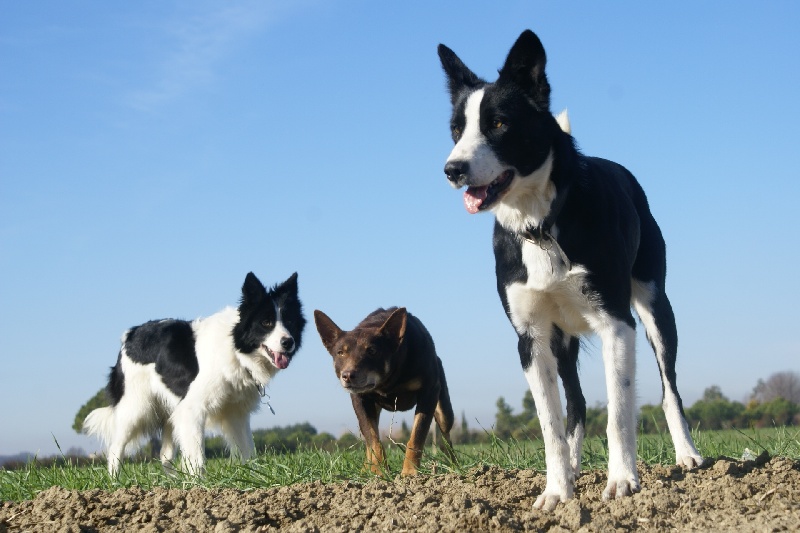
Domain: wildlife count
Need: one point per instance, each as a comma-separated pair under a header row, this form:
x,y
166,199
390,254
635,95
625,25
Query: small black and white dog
x,y
180,377
575,247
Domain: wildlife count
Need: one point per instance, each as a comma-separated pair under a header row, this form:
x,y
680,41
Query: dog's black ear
x,y
253,290
459,77
290,284
329,332
394,328
525,66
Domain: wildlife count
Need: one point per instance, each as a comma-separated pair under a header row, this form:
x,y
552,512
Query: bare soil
x,y
725,495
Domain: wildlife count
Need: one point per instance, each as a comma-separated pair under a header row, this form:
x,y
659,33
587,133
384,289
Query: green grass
x,y
274,470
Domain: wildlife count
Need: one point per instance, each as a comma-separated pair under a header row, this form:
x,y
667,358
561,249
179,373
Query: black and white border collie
x,y
575,248
180,377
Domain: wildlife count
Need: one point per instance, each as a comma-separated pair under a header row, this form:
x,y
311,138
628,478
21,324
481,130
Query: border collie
x,y
179,377
575,248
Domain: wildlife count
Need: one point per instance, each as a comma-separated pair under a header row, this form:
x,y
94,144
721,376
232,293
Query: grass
x,y
275,470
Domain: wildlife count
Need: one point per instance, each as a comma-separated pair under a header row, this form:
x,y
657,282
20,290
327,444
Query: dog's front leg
x,y
619,359
368,414
423,416
239,435
189,427
541,371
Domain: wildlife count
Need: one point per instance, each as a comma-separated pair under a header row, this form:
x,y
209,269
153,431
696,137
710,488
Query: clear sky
x,y
152,153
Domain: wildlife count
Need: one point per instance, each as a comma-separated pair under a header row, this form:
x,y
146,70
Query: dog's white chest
x,y
551,294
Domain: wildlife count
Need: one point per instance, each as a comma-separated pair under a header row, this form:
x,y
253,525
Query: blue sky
x,y
153,153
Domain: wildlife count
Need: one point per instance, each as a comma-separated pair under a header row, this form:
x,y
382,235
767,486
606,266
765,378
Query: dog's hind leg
x,y
566,349
131,420
655,312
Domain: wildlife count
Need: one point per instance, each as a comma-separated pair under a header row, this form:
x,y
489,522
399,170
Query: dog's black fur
x,y
575,247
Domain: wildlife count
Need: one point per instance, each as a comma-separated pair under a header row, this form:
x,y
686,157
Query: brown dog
x,y
389,362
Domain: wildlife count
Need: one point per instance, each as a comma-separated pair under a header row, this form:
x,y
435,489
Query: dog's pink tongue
x,y
474,197
281,360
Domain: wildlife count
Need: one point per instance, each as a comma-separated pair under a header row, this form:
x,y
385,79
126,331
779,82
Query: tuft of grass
x,y
273,469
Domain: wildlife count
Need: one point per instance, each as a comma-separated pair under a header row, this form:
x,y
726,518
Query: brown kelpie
x,y
389,362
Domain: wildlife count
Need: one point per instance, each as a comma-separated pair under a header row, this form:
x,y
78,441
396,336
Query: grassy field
x,y
273,470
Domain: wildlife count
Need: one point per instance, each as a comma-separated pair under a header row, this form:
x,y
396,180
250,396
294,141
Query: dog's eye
x,y
497,124
456,131
340,353
371,350
267,323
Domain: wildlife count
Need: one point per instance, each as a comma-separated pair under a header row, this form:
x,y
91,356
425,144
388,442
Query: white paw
x,y
193,468
547,501
620,488
689,460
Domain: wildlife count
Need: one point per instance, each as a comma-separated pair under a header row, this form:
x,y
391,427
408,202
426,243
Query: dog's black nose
x,y
456,171
287,343
348,375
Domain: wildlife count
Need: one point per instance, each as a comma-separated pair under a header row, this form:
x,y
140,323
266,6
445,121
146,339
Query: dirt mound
x,y
761,495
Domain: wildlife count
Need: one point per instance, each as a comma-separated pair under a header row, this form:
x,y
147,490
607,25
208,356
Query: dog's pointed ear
x,y
394,328
253,290
525,66
329,332
290,284
459,77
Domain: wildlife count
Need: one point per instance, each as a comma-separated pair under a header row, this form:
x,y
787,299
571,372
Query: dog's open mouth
x,y
479,198
279,359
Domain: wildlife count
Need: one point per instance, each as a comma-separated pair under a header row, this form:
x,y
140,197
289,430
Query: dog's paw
x,y
547,501
621,488
689,461
409,471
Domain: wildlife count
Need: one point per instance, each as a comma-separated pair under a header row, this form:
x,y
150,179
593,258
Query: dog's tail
x,y
563,122
100,423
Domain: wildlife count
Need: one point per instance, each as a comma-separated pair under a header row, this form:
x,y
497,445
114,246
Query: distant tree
x,y
652,419
324,441
521,426
528,407
784,385
596,420
96,401
504,419
714,410
777,412
348,440
713,393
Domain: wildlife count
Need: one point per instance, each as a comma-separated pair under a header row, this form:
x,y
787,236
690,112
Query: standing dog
x,y
575,247
389,362
179,377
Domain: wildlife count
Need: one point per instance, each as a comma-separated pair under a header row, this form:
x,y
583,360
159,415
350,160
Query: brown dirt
x,y
727,495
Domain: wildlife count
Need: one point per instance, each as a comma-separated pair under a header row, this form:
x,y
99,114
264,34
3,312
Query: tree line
x,y
773,402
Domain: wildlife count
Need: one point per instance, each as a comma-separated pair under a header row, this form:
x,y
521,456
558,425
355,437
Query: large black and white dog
x,y
575,247
179,377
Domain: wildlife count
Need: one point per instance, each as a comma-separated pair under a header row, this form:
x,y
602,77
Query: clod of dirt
x,y
727,495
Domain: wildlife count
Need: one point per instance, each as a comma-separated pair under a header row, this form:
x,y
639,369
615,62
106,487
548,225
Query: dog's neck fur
x,y
528,200
533,202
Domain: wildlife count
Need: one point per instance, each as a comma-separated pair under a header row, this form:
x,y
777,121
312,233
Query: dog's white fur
x,y
223,395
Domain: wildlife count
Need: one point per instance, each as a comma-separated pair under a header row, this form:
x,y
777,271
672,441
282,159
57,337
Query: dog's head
x,y
503,131
363,357
271,321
